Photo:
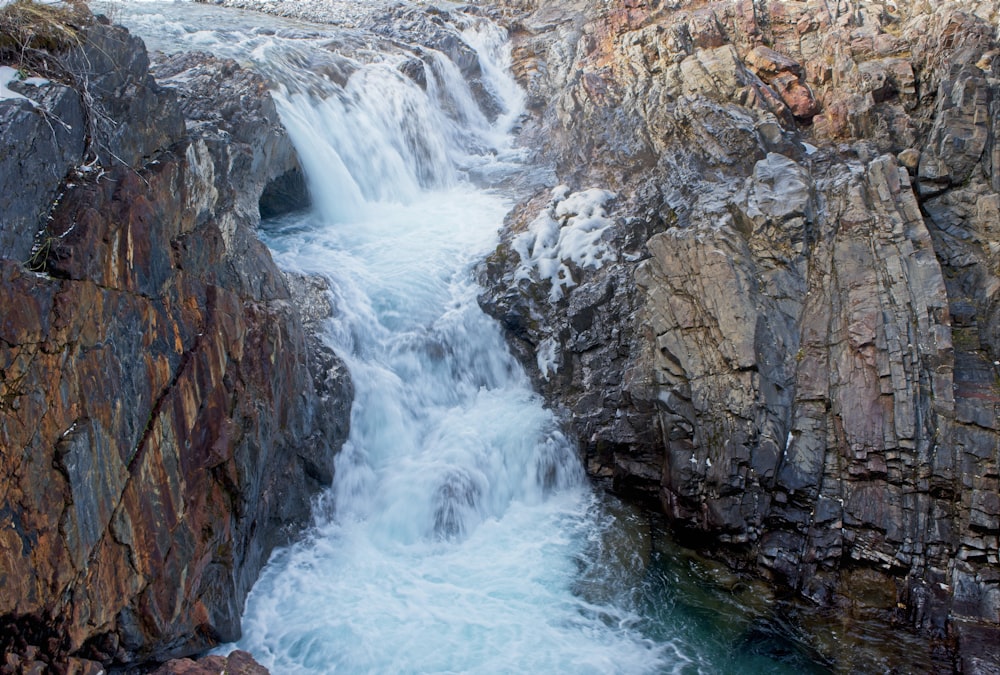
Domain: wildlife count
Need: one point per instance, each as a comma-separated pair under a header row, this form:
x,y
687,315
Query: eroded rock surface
x,y
791,343
165,416
237,663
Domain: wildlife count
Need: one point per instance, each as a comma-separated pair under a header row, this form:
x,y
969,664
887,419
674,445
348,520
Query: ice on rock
x,y
570,230
548,357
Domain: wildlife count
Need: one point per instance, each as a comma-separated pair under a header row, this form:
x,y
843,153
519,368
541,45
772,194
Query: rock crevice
x,y
790,346
166,410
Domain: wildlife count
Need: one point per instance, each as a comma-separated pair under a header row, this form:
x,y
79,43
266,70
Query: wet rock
x,y
130,116
30,176
108,79
237,663
285,194
158,382
792,351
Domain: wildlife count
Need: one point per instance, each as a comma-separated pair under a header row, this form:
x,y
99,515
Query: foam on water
x,y
454,534
498,601
460,535
459,520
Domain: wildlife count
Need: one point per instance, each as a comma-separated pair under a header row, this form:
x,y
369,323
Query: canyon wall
x,y
765,295
166,409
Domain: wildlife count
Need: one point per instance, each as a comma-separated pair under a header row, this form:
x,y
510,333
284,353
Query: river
x,y
461,534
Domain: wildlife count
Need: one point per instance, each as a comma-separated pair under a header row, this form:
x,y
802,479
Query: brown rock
x,y
800,361
151,368
75,666
242,663
796,95
705,31
910,158
767,63
237,663
209,665
785,76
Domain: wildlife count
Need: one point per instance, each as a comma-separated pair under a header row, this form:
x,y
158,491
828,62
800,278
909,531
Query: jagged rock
x,y
130,116
785,76
30,175
792,346
114,68
962,126
237,663
164,414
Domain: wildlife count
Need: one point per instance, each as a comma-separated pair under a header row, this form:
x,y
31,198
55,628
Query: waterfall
x,y
460,518
460,534
451,537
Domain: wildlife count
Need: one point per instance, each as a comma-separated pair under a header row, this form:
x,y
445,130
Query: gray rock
x,y
793,353
30,174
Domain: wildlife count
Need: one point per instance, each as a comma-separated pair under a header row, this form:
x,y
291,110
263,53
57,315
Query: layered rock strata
x,y
165,416
783,328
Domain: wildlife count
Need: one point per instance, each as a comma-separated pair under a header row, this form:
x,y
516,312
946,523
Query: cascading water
x,y
450,536
460,534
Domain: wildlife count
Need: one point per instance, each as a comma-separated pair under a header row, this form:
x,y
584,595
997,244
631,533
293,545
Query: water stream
x,y
460,534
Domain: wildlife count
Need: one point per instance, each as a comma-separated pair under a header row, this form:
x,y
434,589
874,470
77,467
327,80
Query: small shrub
x,y
30,30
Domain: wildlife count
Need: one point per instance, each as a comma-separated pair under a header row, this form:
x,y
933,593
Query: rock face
x,y
237,663
790,341
165,416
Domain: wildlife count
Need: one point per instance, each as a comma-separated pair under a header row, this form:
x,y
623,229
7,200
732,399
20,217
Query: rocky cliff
x,y
766,295
165,413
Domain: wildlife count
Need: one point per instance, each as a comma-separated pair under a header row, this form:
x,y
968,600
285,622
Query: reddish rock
x,y
785,76
210,665
767,63
155,384
704,29
808,374
796,95
237,663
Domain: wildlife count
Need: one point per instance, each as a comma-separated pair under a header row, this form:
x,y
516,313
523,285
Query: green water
x,y
733,623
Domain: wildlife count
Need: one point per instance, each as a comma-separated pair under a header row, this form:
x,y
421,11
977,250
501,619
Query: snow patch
x,y
570,230
8,75
36,81
547,356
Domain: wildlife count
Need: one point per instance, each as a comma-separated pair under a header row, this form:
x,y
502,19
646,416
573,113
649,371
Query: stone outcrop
x,y
237,663
165,415
791,343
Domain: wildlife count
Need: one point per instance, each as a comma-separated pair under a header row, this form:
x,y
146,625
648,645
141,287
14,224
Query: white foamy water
x,y
460,522
459,517
451,539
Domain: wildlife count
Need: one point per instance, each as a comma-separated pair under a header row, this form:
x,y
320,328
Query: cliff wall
x,y
776,316
165,411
